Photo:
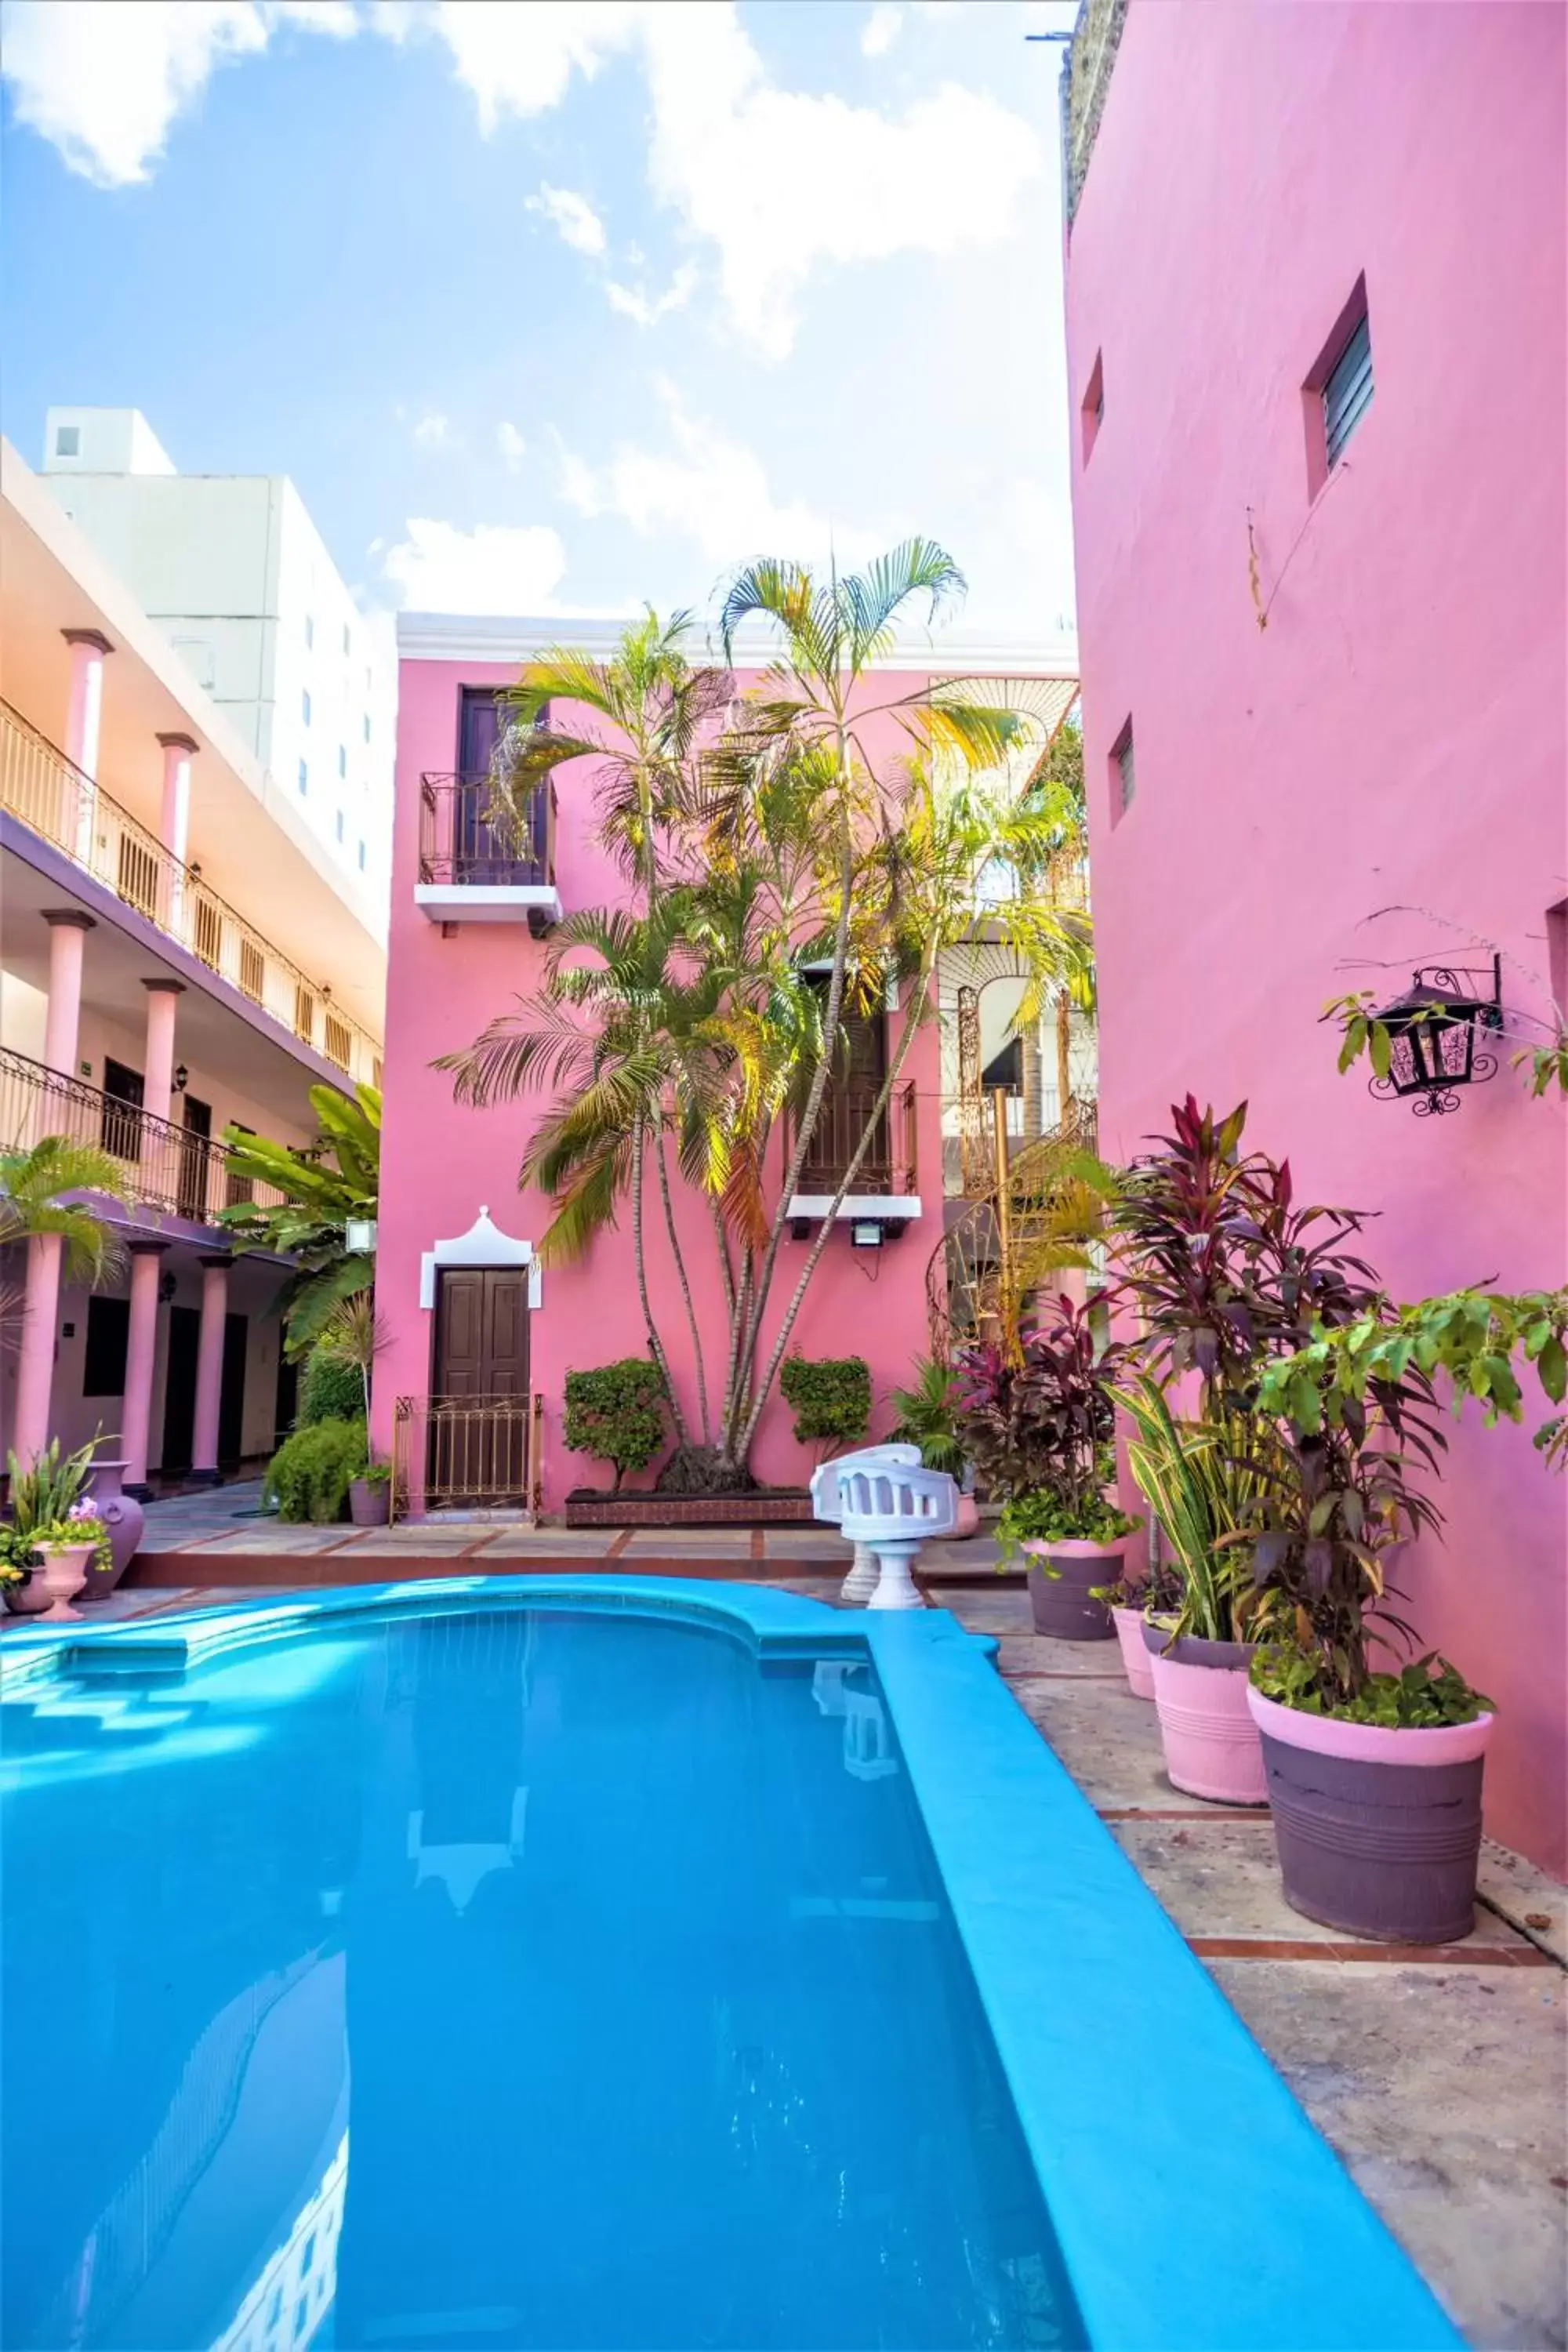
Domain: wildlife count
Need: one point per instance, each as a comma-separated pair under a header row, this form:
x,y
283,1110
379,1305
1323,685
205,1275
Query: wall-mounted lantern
x,y
1435,1030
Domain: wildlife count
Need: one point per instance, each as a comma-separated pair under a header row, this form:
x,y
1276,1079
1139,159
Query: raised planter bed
x,y
775,1506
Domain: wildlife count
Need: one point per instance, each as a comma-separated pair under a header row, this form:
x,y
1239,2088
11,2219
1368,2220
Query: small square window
x,y
340,825
309,632
305,706
1093,406
304,777
68,440
362,857
1123,779
342,760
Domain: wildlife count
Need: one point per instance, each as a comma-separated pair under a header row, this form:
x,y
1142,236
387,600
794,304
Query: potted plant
x,y
1039,1431
928,1417
370,1495
1200,1479
1132,1600
71,1547
1374,1773
20,1560
48,1505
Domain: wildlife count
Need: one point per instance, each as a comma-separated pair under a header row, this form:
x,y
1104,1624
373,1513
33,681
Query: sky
x,y
554,308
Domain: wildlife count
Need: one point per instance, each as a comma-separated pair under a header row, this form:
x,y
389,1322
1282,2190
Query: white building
x,y
234,571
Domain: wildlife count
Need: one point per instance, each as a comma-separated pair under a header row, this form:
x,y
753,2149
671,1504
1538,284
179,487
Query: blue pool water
x,y
518,1978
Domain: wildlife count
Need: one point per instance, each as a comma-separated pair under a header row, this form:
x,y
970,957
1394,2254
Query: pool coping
x,y
1215,2218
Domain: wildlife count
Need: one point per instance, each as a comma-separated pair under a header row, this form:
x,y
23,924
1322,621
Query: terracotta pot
x,y
28,1600
1129,1623
370,1501
125,1518
1379,1832
1211,1743
968,1523
64,1573
1062,1604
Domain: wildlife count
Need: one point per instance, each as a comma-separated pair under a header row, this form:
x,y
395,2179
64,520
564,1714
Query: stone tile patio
x,y
1439,2076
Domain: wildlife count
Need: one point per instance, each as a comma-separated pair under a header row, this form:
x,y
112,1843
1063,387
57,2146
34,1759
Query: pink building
x,y
468,1310
1316,333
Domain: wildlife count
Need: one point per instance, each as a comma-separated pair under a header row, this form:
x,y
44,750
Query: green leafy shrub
x,y
309,1476
928,1416
831,1396
332,1389
615,1412
45,1490
1426,1696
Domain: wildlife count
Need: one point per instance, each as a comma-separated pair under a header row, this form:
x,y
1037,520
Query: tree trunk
x,y
685,1284
763,1387
655,1345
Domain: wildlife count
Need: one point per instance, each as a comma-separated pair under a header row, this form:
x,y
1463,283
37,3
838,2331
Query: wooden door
x,y
478,1437
861,1065
195,1160
180,1387
120,1128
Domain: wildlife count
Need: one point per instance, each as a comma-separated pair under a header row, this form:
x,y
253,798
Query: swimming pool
x,y
521,1963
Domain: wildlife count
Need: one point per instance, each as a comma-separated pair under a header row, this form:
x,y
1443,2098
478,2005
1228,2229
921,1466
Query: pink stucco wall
x,y
1396,737
442,1163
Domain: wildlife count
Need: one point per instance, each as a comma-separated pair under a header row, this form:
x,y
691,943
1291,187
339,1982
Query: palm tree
x,y
766,850
34,1203
324,1190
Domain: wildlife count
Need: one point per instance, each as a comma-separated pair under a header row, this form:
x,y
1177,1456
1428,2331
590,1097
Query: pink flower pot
x,y
64,1573
123,1516
1379,1830
1211,1743
1129,1623
29,1598
968,1521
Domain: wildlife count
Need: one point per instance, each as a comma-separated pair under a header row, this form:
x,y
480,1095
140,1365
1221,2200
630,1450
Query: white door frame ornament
x,y
484,1244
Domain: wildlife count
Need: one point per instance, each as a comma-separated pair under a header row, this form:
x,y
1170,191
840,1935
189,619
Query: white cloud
x,y
709,489
881,30
510,443
572,214
496,569
648,309
433,430
104,79
519,59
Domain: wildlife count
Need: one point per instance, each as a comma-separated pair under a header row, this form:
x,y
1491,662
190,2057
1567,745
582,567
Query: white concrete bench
x,y
864,1570
891,1508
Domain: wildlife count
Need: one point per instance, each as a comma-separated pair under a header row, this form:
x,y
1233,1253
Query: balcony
x,y
43,790
479,865
165,1167
886,1185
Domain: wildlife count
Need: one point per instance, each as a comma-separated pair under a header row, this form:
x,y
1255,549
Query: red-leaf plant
x,y
1228,1274
1039,1431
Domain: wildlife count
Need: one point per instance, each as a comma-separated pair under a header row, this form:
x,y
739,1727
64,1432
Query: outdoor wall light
x,y
1432,1031
182,1079
866,1234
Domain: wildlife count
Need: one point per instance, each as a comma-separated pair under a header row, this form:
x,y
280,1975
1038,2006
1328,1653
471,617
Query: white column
x,y
158,1059
174,820
36,1361
84,714
209,1368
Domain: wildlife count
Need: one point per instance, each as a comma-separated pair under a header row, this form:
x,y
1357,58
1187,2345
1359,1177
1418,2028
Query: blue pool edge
x,y
1197,2207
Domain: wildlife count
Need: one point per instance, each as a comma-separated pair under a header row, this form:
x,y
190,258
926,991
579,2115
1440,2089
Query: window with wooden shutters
x,y
1347,392
338,1041
304,1015
136,880
252,970
206,935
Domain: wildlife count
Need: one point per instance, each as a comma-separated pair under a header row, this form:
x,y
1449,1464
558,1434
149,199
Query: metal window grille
x,y
1347,395
1124,769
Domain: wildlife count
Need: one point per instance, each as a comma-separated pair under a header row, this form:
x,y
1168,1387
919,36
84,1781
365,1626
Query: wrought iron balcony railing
x,y
41,788
164,1167
467,840
890,1167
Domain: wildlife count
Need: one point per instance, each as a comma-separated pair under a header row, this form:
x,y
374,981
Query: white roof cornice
x,y
478,637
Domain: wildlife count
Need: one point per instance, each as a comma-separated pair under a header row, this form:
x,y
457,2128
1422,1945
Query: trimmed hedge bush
x,y
831,1396
330,1390
615,1412
309,1476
